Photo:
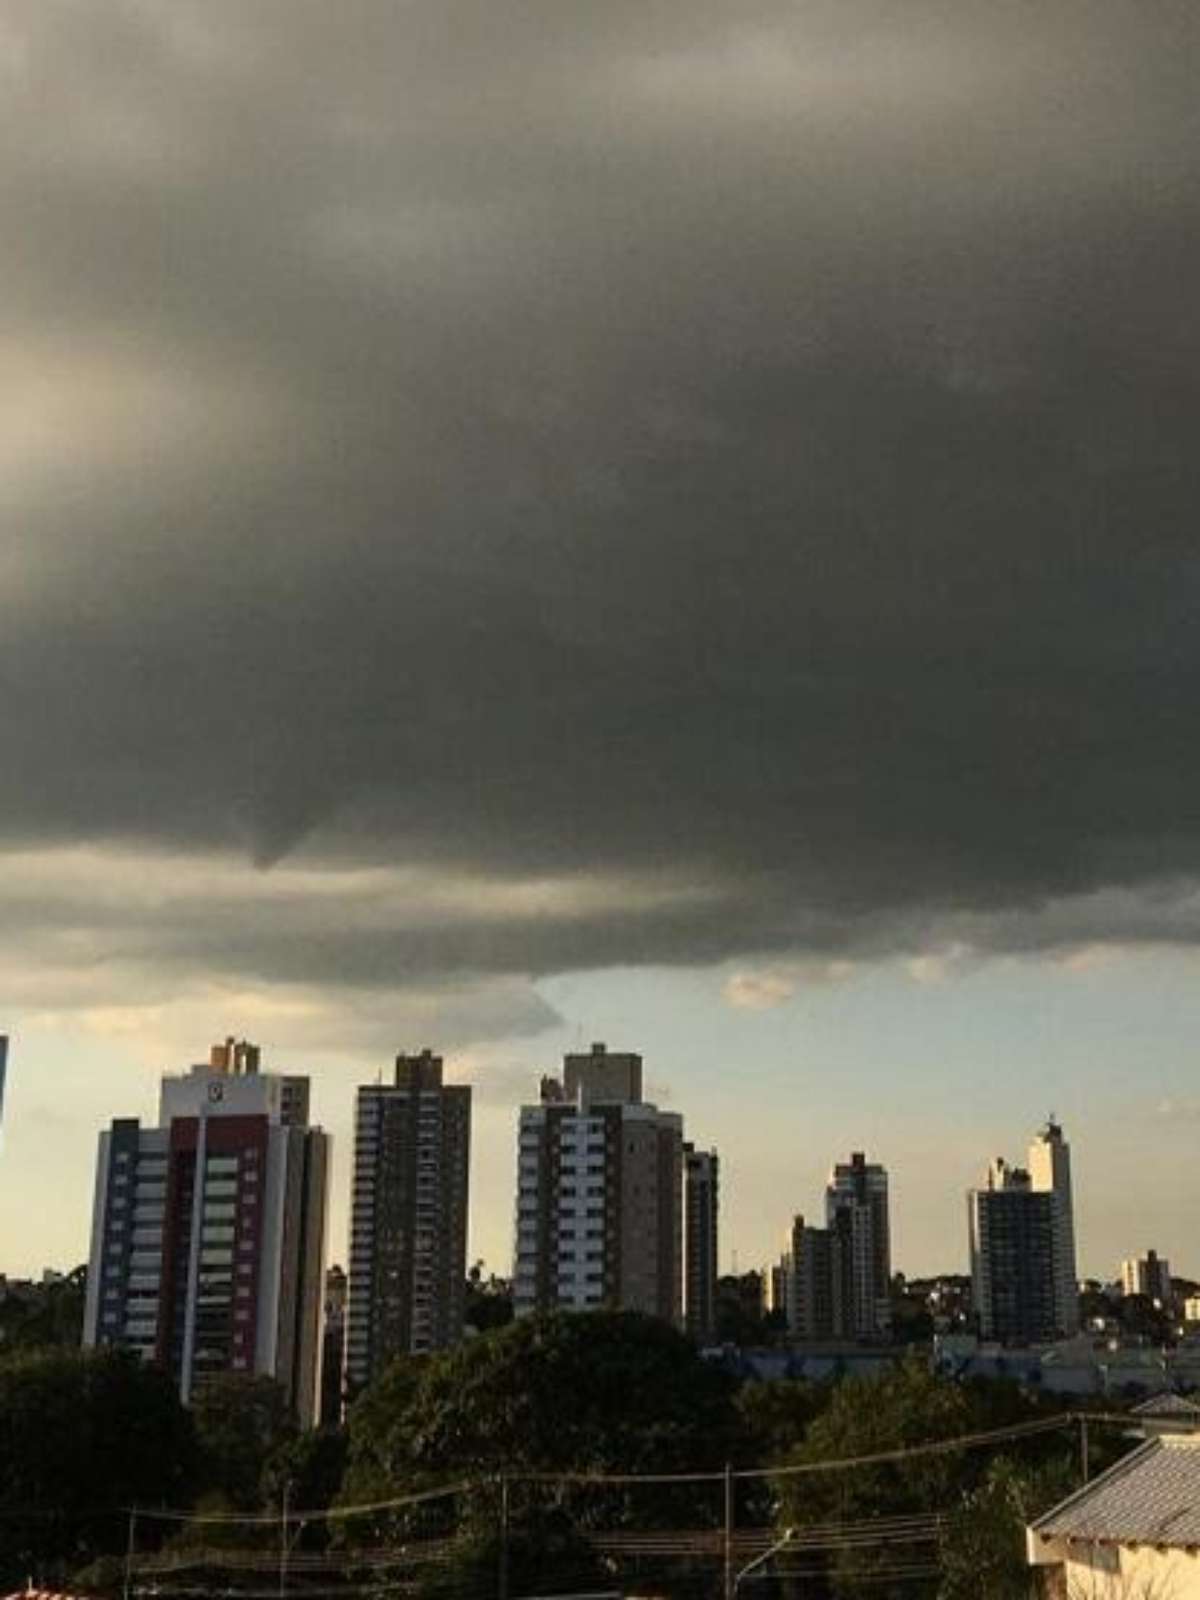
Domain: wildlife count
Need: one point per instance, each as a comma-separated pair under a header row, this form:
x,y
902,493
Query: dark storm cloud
x,y
744,447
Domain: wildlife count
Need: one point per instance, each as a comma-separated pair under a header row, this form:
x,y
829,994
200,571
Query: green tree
x,y
565,1393
489,1301
775,1415
83,1436
243,1423
906,1407
602,1391
740,1317
309,1467
48,1314
983,1542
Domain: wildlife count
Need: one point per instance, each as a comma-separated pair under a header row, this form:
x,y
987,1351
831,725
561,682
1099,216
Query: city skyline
x,y
491,1213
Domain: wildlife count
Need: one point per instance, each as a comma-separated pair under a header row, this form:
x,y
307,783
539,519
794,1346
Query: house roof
x,y
1167,1405
1150,1497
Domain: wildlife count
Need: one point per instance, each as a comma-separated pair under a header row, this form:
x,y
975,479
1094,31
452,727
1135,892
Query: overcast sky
x,y
667,522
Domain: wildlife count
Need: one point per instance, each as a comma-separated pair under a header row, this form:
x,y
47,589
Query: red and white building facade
x,y
208,1234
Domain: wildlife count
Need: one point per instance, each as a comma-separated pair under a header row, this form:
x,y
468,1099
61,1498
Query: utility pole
x,y
283,1537
127,1587
502,1575
729,1584
1085,1463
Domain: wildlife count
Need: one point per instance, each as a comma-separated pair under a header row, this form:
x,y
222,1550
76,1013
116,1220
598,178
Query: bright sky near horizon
x,y
666,522
932,1072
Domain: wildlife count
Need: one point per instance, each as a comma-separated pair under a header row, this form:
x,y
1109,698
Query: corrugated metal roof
x,y
39,1594
1151,1497
1167,1405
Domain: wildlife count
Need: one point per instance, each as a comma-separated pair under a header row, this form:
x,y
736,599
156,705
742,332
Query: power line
x,y
326,1514
966,1441
341,1513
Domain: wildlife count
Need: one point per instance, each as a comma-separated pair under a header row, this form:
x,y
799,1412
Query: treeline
x,y
518,1414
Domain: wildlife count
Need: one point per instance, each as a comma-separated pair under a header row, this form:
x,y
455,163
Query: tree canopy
x,y
83,1435
243,1422
985,1491
606,1391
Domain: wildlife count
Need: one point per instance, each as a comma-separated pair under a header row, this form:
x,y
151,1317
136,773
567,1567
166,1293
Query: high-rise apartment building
x,y
408,1238
1014,1263
856,1215
1148,1275
1050,1173
208,1230
599,1193
807,1268
701,1209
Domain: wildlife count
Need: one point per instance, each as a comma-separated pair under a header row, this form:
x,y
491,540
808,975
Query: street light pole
x,y
760,1560
283,1537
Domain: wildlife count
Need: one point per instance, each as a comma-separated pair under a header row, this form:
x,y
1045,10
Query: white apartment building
x,y
1050,1173
599,1194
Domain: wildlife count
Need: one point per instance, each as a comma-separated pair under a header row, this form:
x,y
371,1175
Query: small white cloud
x,y
1179,1110
758,991
938,966
761,990
1093,957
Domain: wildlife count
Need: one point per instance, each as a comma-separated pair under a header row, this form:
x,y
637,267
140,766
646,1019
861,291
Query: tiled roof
x,y
1167,1405
1151,1497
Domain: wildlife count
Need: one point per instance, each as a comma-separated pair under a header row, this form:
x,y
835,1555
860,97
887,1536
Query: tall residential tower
x,y
408,1239
856,1215
599,1193
208,1231
1050,1173
1014,1283
701,1215
807,1273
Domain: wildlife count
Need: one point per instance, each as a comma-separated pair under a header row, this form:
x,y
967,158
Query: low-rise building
x,y
1168,1407
1080,1366
1134,1531
1148,1275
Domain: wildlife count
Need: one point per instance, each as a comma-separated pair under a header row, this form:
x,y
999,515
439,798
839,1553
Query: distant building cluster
x,y
1150,1276
209,1227
208,1234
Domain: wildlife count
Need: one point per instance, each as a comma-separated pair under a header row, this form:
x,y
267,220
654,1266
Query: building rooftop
x,y
1151,1497
39,1594
1167,1405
